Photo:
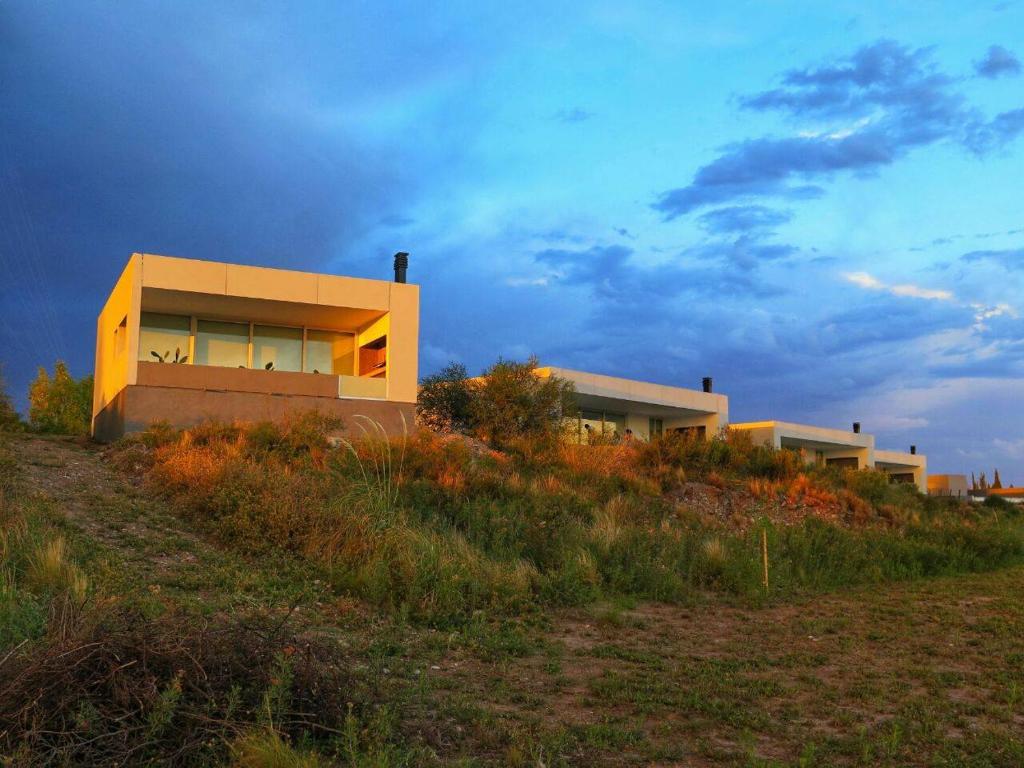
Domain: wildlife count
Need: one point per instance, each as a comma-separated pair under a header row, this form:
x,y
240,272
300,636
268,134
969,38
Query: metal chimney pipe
x,y
913,450
706,383
856,427
401,264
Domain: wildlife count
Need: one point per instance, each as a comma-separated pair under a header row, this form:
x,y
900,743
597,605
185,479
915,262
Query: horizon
x,y
813,206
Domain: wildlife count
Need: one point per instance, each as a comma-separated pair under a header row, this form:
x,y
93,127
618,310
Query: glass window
x,y
225,344
162,338
330,352
278,349
655,427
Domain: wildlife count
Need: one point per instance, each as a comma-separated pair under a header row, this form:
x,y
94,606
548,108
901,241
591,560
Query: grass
x,y
279,655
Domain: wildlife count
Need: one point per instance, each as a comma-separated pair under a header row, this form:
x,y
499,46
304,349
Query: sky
x,y
817,204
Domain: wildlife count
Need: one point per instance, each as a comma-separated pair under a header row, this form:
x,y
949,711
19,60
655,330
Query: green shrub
x,y
60,404
445,400
511,401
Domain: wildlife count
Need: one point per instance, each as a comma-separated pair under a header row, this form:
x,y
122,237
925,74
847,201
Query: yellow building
x,y
184,340
850,449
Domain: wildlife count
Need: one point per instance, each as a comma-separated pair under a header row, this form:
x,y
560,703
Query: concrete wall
x,y
117,344
947,485
135,407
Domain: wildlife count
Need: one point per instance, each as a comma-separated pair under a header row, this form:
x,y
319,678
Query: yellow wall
x,y
116,361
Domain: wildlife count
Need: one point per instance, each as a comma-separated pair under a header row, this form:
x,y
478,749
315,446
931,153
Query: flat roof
x,y
214,278
899,459
614,393
810,436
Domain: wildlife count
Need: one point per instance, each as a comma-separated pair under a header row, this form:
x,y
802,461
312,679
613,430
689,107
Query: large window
x,y
167,338
276,349
224,344
601,424
163,338
330,352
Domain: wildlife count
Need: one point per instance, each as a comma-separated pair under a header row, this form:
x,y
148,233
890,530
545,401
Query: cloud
x,y
1011,259
890,99
611,272
872,283
742,218
574,115
997,62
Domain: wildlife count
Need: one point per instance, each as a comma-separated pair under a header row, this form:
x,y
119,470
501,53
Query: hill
x,y
261,597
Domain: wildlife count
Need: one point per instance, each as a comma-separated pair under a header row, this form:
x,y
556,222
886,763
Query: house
x,y
948,485
610,405
183,340
904,467
851,449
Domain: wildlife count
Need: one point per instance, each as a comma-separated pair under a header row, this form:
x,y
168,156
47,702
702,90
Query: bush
x,y
511,401
61,404
444,402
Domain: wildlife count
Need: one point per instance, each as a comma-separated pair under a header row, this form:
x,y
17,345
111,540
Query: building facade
x,y
183,341
614,407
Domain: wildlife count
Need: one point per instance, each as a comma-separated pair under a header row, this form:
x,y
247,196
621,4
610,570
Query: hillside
x,y
260,598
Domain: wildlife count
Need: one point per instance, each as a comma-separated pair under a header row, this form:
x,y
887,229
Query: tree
x,y
10,421
974,483
982,482
996,482
512,400
444,402
61,404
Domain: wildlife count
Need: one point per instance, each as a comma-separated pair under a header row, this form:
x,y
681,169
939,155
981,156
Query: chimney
x,y
913,450
856,427
401,264
706,383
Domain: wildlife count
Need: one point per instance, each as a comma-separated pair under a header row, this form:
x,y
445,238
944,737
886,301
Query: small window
x,y
277,349
330,352
223,344
163,338
655,427
121,337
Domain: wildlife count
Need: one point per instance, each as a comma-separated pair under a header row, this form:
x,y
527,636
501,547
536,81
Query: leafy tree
x,y
61,404
10,421
444,402
512,401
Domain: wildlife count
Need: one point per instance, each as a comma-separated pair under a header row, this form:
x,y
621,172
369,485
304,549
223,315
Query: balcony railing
x,y
217,378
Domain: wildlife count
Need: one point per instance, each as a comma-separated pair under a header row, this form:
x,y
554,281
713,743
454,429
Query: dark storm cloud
x,y
196,131
611,272
997,62
742,218
890,99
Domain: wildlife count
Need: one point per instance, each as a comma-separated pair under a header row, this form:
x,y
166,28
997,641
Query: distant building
x,y
851,449
609,405
948,485
182,340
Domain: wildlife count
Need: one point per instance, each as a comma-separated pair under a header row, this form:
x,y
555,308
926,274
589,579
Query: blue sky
x,y
818,204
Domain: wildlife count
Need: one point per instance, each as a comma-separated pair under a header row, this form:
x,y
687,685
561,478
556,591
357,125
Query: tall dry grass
x,y
439,527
